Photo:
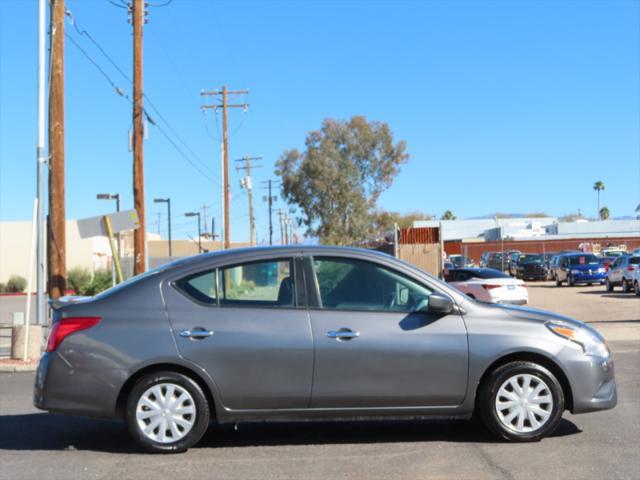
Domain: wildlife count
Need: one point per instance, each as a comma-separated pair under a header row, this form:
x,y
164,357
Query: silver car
x,y
298,333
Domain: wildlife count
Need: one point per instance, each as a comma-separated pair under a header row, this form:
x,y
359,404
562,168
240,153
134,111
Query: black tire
x,y
202,412
626,287
489,390
571,281
589,284
558,282
636,288
608,285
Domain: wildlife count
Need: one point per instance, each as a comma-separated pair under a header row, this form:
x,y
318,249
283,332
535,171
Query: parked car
x,y
460,261
577,268
512,261
606,262
299,333
636,281
484,259
497,261
613,252
489,285
621,271
531,267
553,264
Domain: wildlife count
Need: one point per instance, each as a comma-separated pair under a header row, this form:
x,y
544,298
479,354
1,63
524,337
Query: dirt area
x,y
615,314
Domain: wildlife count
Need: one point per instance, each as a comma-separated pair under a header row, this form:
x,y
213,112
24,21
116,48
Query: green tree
x,y
16,284
448,215
336,181
598,187
383,220
604,213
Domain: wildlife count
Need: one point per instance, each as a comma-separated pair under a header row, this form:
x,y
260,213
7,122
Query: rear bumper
x,y
60,388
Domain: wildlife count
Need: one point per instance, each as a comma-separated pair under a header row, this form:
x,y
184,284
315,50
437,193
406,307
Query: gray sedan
x,y
298,333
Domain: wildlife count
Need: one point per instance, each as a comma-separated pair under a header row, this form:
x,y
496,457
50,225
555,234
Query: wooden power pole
x,y
247,183
139,234
56,231
224,93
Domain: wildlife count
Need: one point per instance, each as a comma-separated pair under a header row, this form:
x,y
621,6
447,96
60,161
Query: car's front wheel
x,y
167,412
636,288
521,402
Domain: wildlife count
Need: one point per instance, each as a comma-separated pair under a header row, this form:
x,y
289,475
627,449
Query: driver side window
x,y
348,284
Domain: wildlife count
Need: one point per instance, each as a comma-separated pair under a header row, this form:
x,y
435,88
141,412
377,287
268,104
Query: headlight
x,y
576,272
590,342
602,270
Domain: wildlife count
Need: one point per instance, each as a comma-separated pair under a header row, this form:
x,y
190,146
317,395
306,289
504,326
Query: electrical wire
x,y
84,32
159,4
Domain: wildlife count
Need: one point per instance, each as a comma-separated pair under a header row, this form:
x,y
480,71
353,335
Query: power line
x,y
84,32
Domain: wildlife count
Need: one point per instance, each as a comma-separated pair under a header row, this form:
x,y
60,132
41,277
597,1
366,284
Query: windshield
x,y
588,259
531,259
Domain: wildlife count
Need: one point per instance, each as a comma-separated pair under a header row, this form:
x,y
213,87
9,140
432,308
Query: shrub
x,y
3,287
78,279
16,284
83,283
100,282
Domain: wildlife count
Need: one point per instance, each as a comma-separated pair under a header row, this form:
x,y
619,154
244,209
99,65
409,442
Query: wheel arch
x,y
121,400
533,357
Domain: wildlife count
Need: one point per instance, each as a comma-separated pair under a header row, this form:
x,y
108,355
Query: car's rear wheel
x,y
521,402
558,282
167,412
609,285
636,288
626,286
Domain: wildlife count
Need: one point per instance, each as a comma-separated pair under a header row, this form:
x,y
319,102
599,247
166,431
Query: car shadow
x,y
606,294
42,431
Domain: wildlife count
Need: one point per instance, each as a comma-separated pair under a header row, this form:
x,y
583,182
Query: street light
x,y
168,202
196,214
116,197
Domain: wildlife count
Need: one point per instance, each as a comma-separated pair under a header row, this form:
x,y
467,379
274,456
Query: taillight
x,y
630,268
60,330
489,287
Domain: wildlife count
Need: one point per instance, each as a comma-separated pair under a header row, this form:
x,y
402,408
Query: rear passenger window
x,y
201,287
268,283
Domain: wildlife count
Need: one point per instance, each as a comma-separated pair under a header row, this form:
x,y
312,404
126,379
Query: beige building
x,y
91,253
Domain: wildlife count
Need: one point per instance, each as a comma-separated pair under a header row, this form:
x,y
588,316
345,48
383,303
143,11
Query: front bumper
x,y
586,278
592,381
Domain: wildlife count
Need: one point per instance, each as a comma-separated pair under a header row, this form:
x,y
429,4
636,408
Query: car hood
x,y
534,314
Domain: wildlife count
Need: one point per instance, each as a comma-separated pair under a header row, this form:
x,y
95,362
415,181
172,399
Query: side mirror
x,y
440,304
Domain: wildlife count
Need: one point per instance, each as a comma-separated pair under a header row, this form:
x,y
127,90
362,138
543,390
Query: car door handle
x,y
196,333
342,334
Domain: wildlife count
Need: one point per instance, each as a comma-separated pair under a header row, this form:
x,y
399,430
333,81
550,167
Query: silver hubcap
x,y
165,413
524,403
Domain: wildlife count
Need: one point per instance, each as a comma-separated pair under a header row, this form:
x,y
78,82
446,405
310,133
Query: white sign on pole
x,y
120,222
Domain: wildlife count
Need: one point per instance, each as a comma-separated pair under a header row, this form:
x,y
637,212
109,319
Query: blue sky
x,y
505,106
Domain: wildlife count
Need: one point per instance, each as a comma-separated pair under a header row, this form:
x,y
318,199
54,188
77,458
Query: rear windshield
x,y
589,259
487,273
634,260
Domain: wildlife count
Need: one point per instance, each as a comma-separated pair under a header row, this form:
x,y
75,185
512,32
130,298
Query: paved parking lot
x,y
601,445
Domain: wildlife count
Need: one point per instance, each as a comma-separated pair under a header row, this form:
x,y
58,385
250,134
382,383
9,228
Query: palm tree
x,y
448,215
604,213
598,187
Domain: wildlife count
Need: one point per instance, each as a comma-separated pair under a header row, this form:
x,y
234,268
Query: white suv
x,y
636,281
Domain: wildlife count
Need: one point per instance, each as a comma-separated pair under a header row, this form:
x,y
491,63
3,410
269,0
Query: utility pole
x,y
225,105
270,199
282,231
139,234
57,238
204,225
247,183
41,300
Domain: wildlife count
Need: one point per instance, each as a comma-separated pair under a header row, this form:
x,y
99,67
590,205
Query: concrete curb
x,y
18,367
